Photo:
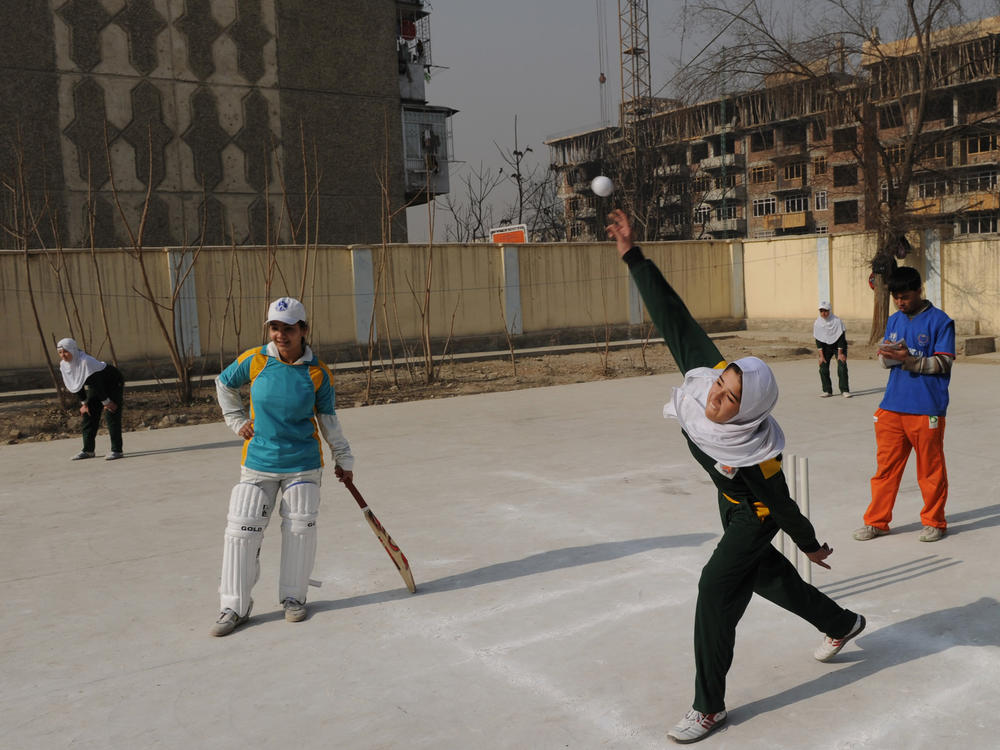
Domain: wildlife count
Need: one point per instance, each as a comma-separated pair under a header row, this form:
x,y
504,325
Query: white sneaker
x,y
114,456
696,726
228,621
295,611
82,455
846,394
825,395
830,647
931,534
869,532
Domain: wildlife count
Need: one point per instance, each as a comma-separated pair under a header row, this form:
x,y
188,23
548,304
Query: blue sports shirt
x,y
927,333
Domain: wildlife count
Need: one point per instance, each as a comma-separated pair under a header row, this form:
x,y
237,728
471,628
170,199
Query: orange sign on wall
x,y
516,234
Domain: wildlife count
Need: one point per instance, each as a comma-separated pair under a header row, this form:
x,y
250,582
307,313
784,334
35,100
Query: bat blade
x,y
393,550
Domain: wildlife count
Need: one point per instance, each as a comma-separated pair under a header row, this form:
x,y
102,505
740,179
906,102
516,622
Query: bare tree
x,y
898,95
472,213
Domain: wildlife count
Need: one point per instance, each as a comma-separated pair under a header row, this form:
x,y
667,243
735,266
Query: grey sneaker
x,y
82,455
830,647
295,611
696,726
931,534
114,456
228,621
869,532
825,395
845,394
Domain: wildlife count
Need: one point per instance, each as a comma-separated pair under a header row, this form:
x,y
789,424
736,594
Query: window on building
x,y
980,144
796,204
983,99
728,211
941,149
725,182
794,170
793,134
674,156
819,165
895,153
890,116
762,174
821,204
845,175
845,212
940,108
931,186
764,206
986,223
699,151
818,131
701,183
702,214
980,181
844,139
762,140
822,229
763,234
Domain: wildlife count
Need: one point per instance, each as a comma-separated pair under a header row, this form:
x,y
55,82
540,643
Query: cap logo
x,y
282,304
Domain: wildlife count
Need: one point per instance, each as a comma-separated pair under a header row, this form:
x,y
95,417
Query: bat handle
x,y
357,495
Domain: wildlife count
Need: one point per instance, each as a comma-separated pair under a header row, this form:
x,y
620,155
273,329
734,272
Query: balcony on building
x,y
735,194
727,161
796,220
671,170
427,149
727,227
784,185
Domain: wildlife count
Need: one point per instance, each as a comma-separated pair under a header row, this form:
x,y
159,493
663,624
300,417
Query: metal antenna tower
x,y
636,103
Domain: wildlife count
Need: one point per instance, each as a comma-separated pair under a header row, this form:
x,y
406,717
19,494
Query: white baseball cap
x,y
824,305
286,310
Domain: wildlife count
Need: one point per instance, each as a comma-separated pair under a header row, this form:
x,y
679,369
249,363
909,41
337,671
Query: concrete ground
x,y
556,536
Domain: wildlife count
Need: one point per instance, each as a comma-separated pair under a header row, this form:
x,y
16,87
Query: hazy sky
x,y
537,59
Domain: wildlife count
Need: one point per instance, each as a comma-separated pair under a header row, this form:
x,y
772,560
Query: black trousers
x,y
830,352
113,419
745,562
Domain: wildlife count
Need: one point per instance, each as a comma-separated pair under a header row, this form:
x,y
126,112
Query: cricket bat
x,y
393,550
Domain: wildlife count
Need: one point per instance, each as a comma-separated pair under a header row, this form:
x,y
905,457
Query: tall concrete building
x,y
795,156
244,121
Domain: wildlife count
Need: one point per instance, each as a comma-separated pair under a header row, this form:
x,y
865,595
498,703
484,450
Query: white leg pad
x,y
299,510
249,512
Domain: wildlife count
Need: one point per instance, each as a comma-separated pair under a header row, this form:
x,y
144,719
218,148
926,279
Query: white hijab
x,y
749,438
77,370
828,329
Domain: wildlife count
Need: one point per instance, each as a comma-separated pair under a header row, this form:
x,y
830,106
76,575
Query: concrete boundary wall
x,y
452,291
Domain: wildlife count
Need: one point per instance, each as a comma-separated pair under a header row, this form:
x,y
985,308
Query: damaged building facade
x,y
805,153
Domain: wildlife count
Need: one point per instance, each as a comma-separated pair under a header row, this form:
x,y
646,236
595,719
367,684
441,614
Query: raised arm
x,y
687,340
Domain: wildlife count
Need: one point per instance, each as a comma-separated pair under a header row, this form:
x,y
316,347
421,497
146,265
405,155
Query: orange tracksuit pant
x,y
895,435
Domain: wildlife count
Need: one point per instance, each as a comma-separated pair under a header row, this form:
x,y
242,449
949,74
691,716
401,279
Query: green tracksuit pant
x,y
744,563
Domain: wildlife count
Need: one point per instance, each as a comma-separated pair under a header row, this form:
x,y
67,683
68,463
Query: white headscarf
x,y
749,438
828,329
77,370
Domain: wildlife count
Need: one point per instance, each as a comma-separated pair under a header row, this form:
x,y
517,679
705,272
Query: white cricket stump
x,y
797,472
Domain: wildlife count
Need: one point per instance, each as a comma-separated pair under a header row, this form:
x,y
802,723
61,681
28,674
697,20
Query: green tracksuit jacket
x,y
754,505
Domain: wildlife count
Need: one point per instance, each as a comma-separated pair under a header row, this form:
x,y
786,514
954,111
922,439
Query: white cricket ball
x,y
602,186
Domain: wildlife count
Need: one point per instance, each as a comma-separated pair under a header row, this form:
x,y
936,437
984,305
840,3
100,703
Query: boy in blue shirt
x,y
919,347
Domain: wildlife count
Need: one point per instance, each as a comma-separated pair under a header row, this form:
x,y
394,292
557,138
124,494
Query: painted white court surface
x,y
556,536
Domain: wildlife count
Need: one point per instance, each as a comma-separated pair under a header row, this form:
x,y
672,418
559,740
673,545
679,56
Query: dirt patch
x,y
149,409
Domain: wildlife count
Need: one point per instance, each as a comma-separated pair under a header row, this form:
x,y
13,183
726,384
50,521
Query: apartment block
x,y
810,153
